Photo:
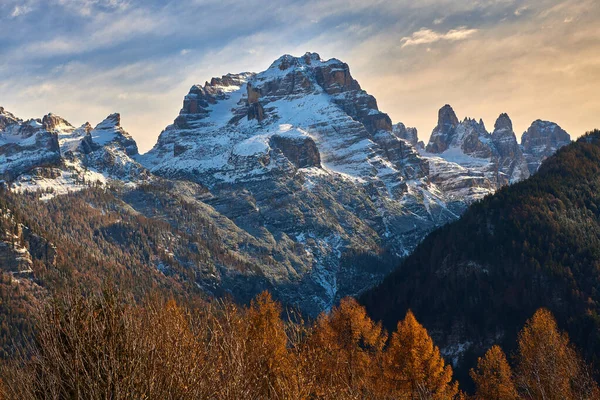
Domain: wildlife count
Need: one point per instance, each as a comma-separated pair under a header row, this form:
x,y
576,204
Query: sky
x,y
85,59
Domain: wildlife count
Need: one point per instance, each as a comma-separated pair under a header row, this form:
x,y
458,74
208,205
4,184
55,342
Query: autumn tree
x,y
347,346
268,362
493,377
414,367
548,367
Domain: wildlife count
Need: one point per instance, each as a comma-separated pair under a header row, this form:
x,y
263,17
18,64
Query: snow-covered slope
x,y
25,144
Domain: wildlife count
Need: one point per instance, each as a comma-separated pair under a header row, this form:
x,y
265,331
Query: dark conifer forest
x,y
532,244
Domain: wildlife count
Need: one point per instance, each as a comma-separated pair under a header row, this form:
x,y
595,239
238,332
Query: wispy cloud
x,y
20,10
427,36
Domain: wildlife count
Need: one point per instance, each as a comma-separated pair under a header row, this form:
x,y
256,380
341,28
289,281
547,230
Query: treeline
x,y
109,347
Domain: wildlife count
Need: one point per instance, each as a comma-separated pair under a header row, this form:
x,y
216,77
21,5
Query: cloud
x,y
20,10
521,10
427,36
89,7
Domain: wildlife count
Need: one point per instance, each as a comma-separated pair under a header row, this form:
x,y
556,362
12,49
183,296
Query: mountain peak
x,y
287,60
445,131
541,140
7,118
113,120
503,123
447,116
309,59
51,122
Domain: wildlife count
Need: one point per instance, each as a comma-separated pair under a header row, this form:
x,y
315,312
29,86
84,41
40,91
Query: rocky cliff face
x,y
445,131
26,144
19,247
511,163
541,140
408,134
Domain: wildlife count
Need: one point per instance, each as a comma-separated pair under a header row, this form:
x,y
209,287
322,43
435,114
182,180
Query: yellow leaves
x,y
414,366
346,348
548,367
493,377
109,348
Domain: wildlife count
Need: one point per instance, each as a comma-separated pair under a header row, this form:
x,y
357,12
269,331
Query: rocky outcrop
x,y
512,166
14,259
19,247
408,134
444,132
7,119
495,156
25,145
52,122
302,152
110,131
470,136
541,140
403,155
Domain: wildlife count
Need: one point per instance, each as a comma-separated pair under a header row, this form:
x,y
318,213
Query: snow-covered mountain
x,y
467,162
300,153
497,155
25,144
312,179
51,154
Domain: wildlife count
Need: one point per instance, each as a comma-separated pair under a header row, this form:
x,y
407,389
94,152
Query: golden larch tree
x,y
268,359
414,366
493,377
548,367
348,347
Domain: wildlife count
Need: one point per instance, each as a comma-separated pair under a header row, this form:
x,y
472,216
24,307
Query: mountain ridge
x,y
300,160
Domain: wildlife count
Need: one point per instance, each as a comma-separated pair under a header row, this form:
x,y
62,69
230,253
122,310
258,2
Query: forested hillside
x,y
92,237
474,282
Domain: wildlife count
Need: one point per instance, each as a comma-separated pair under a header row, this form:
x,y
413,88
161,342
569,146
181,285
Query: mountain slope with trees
x,y
474,282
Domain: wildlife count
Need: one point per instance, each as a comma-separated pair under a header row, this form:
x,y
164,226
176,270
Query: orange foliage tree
x,y
347,345
493,377
548,367
414,367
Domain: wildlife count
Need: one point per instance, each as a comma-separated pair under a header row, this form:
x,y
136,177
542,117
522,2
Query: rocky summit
x,y
304,179
541,140
497,155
